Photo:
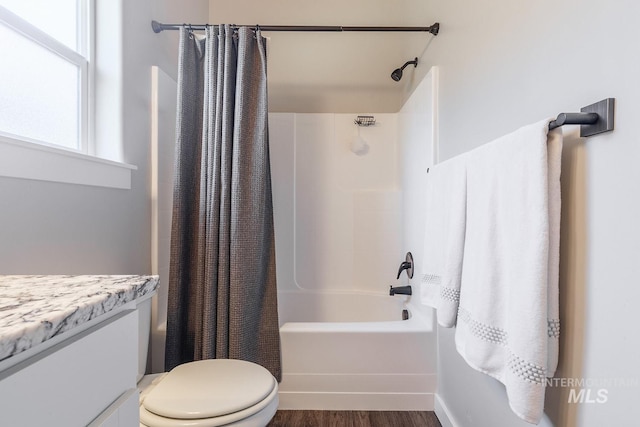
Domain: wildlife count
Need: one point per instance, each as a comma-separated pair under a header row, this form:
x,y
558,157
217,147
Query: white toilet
x,y
206,393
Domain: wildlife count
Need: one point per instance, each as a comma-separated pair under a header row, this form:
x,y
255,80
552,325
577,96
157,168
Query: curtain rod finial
x,y
157,27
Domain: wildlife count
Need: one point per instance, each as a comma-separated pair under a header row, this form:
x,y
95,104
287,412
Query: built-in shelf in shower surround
x,y
34,309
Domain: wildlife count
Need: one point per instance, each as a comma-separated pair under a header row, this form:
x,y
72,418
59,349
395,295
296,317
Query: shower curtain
x,y
222,283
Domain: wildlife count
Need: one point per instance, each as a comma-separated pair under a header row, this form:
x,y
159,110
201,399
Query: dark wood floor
x,y
354,419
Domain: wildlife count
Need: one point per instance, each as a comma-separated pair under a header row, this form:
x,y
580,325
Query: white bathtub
x,y
348,351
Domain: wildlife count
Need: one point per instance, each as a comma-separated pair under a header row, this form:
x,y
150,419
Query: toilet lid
x,y
209,388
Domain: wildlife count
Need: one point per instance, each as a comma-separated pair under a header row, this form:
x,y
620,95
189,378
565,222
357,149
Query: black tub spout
x,y
400,290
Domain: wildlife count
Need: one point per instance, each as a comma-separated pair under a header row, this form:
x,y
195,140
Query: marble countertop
x,y
34,309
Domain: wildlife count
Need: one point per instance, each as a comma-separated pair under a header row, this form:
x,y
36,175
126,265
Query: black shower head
x,y
397,73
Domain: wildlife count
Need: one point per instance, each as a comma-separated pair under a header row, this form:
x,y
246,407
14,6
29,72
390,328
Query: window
x,y
49,103
46,72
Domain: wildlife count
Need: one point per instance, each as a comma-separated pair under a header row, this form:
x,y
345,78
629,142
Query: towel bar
x,y
594,119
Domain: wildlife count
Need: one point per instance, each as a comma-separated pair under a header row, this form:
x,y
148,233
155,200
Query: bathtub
x,y
353,351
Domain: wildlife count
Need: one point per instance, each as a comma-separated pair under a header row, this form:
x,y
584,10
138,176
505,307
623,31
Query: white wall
x,y
505,64
48,228
337,214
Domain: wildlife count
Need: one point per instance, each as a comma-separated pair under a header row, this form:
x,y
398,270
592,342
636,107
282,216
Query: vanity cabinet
x,y
73,382
84,376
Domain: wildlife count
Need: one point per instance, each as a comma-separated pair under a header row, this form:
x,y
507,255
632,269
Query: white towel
x,y
441,266
508,316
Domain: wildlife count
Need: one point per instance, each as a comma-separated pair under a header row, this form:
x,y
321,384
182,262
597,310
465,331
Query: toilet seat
x,y
210,393
257,415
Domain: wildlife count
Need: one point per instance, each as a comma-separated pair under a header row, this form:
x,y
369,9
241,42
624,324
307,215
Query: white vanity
x,y
69,349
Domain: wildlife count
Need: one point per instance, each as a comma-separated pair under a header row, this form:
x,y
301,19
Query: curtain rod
x,y
433,29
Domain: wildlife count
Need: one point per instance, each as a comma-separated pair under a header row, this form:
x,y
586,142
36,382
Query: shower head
x,y
397,73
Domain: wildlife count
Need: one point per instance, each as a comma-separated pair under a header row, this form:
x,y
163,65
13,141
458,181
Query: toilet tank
x,y
144,332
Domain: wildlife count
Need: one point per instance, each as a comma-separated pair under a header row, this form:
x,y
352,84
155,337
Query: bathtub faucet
x,y
400,290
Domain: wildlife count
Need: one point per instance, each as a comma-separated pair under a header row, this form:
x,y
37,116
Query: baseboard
x,y
442,412
356,401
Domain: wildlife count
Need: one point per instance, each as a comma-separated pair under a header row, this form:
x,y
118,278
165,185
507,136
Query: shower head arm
x,y
397,73
414,62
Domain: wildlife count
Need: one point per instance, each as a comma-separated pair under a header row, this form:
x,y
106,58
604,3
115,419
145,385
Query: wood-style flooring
x,y
354,419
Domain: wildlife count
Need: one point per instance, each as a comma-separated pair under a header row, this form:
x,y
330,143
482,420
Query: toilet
x,y
205,393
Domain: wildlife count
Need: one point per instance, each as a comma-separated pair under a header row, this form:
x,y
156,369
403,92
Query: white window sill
x,y
32,161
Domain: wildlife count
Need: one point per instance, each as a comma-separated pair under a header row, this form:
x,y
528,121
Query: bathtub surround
x,y
34,309
222,281
338,215
341,221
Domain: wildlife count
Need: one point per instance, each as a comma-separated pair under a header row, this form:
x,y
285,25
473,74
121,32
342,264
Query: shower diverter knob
x,y
406,265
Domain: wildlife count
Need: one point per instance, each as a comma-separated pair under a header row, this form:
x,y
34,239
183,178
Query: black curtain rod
x,y
433,29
